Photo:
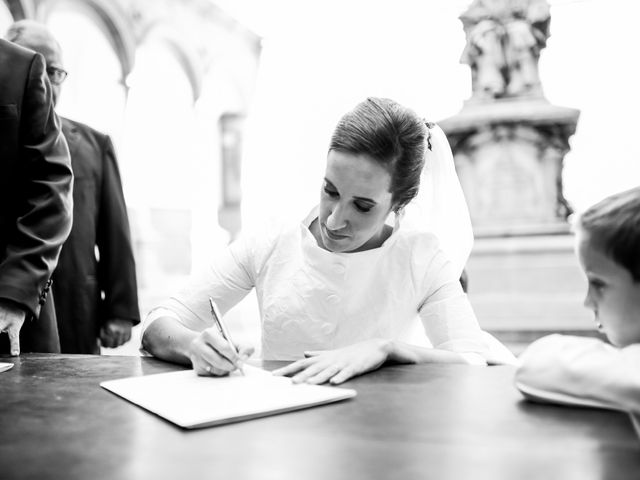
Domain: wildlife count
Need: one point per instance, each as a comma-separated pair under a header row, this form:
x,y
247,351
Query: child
x,y
587,371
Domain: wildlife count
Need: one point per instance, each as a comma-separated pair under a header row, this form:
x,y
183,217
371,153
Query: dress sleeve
x,y
581,371
450,322
227,279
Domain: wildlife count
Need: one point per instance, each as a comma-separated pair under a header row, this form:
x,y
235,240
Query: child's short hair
x,y
614,226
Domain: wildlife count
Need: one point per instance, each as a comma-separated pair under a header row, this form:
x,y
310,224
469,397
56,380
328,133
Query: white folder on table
x,y
191,401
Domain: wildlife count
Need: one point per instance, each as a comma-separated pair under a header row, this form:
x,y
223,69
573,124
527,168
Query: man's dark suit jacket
x,y
90,291
35,194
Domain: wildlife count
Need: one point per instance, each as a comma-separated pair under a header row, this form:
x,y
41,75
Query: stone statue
x,y
504,40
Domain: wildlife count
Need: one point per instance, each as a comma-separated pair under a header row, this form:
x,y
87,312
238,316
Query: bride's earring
x,y
399,213
599,326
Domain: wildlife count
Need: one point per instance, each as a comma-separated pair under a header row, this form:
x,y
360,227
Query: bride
x,y
370,276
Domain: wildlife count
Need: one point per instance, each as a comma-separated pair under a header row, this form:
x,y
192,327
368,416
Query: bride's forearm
x,y
169,340
401,352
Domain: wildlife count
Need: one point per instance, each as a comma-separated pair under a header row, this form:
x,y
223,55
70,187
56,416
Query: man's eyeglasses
x,y
56,75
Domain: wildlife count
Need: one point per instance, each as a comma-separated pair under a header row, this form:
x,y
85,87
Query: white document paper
x,y
191,401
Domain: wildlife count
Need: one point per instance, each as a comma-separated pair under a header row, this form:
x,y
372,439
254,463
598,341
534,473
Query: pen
x,y
217,318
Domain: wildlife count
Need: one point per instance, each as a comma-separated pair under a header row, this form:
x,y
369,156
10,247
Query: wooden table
x,y
425,421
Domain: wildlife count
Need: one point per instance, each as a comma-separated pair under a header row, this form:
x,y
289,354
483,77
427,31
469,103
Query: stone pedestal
x,y
509,155
524,278
528,283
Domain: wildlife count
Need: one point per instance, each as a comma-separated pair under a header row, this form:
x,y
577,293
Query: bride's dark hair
x,y
391,134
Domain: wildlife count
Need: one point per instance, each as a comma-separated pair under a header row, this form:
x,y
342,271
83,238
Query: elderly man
x,y
35,201
96,297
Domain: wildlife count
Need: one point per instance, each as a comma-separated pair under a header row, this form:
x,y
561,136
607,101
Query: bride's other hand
x,y
337,366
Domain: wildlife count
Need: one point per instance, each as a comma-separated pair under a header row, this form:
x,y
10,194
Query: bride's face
x,y
354,202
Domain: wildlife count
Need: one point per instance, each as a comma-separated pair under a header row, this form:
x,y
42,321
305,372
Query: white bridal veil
x,y
440,206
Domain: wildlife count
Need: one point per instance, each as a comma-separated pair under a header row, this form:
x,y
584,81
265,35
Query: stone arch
x,y
109,17
182,52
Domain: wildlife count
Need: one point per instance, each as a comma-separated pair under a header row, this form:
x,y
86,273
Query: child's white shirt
x,y
581,371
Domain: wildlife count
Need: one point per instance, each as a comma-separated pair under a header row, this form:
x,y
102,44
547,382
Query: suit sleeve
x,y
44,207
116,267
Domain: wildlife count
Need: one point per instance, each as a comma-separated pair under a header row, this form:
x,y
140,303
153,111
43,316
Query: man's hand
x,y
11,320
115,332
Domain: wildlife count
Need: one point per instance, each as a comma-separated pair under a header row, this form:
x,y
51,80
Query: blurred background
x,y
221,112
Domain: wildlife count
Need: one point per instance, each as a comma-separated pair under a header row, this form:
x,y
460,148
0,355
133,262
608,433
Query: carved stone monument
x,y
504,40
509,143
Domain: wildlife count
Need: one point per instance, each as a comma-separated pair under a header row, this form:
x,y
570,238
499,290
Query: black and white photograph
x,y
338,239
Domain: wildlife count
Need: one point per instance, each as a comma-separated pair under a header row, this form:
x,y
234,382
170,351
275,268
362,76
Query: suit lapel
x,y
70,132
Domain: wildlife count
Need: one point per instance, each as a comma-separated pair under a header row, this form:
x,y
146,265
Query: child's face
x,y
613,295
